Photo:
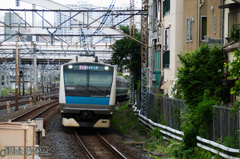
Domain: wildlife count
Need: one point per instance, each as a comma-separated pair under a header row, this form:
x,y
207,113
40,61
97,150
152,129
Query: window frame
x,y
204,16
187,30
191,29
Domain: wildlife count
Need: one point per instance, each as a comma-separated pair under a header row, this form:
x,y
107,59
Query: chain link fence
x,y
168,111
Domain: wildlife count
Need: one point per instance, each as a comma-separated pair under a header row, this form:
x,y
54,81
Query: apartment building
x,y
203,22
169,39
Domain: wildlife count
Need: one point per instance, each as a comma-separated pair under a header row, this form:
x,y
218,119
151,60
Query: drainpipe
x,y
162,39
199,6
222,25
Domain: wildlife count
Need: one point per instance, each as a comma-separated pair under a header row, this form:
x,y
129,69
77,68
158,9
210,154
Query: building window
x,y
157,61
154,16
191,29
215,23
166,7
187,31
204,28
167,38
166,59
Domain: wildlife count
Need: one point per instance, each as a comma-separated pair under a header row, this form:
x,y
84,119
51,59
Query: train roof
x,y
121,78
85,59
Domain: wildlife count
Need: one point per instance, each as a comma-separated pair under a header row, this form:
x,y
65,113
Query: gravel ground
x,y
61,141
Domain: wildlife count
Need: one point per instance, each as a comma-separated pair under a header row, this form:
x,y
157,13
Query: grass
x,y
125,121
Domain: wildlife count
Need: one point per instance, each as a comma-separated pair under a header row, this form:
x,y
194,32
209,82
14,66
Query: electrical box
x,y
39,123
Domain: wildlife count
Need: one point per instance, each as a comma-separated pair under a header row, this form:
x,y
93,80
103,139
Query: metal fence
x,y
168,111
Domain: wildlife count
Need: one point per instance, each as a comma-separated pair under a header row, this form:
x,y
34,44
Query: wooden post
x,y
8,107
30,101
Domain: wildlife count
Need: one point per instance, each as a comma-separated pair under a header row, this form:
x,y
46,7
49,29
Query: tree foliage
x,y
201,69
235,73
199,82
235,32
127,53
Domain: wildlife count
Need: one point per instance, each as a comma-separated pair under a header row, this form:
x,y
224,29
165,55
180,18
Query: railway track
x,y
36,112
96,147
13,105
24,101
39,94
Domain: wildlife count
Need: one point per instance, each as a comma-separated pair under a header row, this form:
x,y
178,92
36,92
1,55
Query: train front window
x,y
93,79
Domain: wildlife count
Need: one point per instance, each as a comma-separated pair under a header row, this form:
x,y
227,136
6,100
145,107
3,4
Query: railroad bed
x,y
4,116
96,147
62,142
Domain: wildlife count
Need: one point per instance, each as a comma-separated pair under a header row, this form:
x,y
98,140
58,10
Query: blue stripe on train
x,y
87,100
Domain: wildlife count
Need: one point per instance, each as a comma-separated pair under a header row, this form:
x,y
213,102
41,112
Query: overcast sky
x,y
6,4
103,3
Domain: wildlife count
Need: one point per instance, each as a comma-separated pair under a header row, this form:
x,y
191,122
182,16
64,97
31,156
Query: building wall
x,y
226,12
174,21
207,8
210,9
190,9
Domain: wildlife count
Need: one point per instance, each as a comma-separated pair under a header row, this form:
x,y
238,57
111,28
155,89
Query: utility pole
x,y
132,18
16,76
35,75
131,96
144,57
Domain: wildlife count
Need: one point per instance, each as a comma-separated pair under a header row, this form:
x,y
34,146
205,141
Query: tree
x,y
201,70
235,73
127,53
199,82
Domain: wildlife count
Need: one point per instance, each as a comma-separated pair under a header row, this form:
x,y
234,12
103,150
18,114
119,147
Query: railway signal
x,y
20,73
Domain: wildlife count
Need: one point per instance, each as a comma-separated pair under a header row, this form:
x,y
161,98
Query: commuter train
x,y
88,92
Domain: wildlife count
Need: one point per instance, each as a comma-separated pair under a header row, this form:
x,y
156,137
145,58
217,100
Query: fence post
x,y
238,121
229,122
220,123
213,135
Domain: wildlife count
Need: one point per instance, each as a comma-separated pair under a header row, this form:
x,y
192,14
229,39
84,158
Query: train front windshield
x,y
88,80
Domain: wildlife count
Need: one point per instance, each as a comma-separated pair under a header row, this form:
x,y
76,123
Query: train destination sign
x,y
89,67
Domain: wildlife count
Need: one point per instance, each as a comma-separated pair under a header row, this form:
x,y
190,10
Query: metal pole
x,y
23,83
19,86
8,76
1,81
35,76
5,77
16,76
42,82
30,79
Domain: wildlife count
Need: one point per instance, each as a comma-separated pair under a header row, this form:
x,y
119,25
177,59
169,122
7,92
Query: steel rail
x,y
111,148
84,148
54,103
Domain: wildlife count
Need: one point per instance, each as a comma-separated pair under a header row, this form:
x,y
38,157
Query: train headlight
x,y
106,68
70,66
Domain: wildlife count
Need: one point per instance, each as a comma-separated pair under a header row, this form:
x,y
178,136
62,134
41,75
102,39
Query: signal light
x,y
20,73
